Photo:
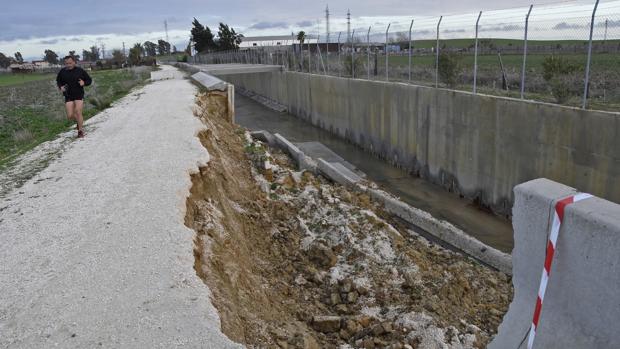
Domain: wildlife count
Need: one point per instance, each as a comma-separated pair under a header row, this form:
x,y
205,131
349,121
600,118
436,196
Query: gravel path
x,y
94,249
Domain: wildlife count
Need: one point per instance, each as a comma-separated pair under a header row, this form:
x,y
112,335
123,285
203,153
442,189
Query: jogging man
x,y
71,81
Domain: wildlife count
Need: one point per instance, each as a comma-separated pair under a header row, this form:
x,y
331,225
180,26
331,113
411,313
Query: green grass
x,y
33,112
467,43
16,79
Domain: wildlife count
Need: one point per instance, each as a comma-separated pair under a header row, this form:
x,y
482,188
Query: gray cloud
x,y
268,25
304,24
502,28
48,42
564,25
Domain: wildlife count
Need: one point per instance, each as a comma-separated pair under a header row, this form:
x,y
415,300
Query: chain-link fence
x,y
567,54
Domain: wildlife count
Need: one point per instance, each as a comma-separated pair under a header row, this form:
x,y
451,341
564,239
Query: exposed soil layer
x,y
295,261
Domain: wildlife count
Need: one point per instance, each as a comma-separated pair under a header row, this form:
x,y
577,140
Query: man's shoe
x,y
80,134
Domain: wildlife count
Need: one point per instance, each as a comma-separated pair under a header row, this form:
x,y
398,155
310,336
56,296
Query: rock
x,y
352,297
472,329
326,324
344,334
364,320
387,327
411,278
346,286
342,308
352,326
377,330
321,255
303,341
335,298
368,343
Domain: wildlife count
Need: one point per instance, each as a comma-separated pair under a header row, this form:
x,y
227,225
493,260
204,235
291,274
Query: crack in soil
x,y
294,261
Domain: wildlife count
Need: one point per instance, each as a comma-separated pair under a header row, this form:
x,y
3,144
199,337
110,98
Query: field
x,y
16,79
32,112
604,89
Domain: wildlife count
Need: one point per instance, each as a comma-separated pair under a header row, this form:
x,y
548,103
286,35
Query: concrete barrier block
x,y
338,173
581,308
444,231
304,162
210,82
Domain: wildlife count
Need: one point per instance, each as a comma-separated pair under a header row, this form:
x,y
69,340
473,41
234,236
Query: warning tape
x,y
553,237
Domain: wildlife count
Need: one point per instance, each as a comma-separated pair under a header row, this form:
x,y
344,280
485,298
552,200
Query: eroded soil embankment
x,y
294,261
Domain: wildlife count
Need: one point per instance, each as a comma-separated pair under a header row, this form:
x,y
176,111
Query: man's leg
x,y
79,105
70,107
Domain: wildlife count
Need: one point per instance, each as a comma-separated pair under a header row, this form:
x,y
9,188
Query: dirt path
x,y
94,249
297,262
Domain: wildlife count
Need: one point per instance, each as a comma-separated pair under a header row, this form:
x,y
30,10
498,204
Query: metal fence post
x,y
410,27
527,22
368,50
587,79
387,75
320,57
309,58
327,52
476,53
339,67
437,55
352,55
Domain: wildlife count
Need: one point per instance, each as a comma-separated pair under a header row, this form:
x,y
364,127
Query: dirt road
x,y
94,249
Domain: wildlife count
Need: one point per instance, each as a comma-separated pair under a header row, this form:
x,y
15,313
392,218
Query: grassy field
x,y
16,79
604,92
33,112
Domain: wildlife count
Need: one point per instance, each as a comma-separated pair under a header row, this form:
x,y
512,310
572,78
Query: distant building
x,y
22,68
41,64
273,41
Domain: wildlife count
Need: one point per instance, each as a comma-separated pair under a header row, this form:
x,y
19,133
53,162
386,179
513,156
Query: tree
x,y
91,55
50,57
301,37
188,49
75,57
174,49
202,37
135,54
19,58
449,65
4,61
94,53
118,57
163,47
150,48
228,38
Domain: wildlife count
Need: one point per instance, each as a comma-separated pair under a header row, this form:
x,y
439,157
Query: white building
x,y
275,40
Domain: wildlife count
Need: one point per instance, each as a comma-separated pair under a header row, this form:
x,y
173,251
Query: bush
x,y
449,64
554,66
560,76
359,65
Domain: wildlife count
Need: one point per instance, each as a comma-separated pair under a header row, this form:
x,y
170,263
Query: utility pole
x,y
102,50
124,54
327,41
327,21
605,37
166,28
348,25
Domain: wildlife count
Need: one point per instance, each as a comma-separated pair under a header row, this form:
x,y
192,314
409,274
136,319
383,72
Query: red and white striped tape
x,y
553,237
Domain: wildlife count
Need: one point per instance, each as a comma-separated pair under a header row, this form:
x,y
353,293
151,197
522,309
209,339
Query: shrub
x,y
449,64
359,65
554,66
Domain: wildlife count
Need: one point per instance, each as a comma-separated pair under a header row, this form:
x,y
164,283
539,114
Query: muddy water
x,y
488,228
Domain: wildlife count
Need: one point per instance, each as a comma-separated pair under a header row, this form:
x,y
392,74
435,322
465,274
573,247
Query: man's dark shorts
x,y
73,97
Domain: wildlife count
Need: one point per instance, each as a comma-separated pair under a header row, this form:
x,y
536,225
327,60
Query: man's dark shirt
x,y
71,79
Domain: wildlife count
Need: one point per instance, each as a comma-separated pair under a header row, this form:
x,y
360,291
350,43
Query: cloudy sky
x,y
31,26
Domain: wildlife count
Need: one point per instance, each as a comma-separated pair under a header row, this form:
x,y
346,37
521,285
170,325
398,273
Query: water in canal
x,y
492,230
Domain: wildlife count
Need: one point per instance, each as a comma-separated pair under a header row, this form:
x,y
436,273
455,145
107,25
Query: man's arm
x,y
59,79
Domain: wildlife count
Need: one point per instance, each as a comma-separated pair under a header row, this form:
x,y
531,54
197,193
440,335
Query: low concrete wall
x,y
478,146
582,304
